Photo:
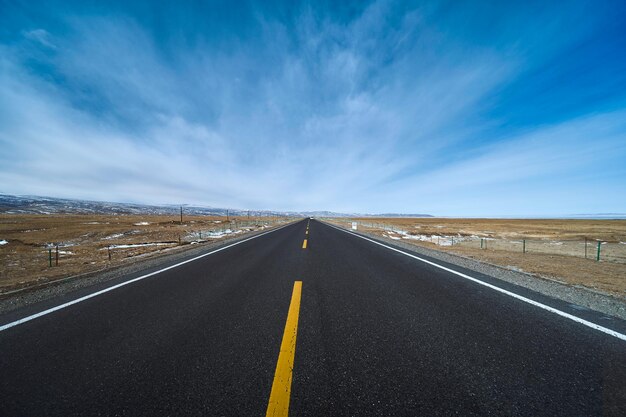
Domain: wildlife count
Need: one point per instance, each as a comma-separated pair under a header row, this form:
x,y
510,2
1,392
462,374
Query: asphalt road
x,y
378,333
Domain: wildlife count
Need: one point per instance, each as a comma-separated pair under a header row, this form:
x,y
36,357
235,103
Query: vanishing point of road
x,y
310,320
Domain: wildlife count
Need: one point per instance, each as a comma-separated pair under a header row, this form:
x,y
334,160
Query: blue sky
x,y
450,108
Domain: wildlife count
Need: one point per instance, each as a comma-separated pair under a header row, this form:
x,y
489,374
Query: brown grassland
x,y
555,248
84,241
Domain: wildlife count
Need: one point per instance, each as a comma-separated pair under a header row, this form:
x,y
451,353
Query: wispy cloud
x,y
386,108
41,36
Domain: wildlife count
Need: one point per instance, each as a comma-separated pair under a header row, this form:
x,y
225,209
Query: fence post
x,y
598,255
524,246
452,241
57,256
50,257
481,242
109,251
585,247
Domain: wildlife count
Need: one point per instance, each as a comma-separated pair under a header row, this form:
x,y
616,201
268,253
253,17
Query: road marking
x,y
111,288
304,244
307,232
278,404
503,291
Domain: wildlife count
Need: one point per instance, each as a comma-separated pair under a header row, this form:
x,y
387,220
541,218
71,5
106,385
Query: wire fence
x,y
24,263
225,229
589,247
86,250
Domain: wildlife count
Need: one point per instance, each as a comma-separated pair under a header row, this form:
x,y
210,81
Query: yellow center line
x,y
304,244
278,404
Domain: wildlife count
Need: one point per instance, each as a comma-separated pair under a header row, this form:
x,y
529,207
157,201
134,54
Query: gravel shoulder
x,y
78,284
577,295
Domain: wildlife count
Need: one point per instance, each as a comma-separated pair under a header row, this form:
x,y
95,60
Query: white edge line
x,y
111,288
493,287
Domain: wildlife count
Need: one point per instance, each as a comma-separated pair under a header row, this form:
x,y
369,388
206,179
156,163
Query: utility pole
x,y
227,218
181,214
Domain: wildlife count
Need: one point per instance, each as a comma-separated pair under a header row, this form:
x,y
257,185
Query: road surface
x,y
332,326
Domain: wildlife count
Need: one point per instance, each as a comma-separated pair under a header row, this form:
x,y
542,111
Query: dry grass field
x,y
554,248
85,241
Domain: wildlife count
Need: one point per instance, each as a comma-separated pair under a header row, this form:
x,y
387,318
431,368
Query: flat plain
x,y
564,250
29,242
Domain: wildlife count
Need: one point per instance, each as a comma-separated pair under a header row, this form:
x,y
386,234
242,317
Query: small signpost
x,y
354,225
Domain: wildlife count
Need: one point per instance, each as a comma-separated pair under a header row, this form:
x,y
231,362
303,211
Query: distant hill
x,y
402,215
12,204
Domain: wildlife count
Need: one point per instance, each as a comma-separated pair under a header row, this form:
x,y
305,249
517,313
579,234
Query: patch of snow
x,y
61,252
142,224
137,245
3,242
115,236
220,233
61,245
445,242
437,240
215,235
392,237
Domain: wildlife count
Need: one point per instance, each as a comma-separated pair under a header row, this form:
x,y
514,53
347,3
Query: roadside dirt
x,y
85,242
